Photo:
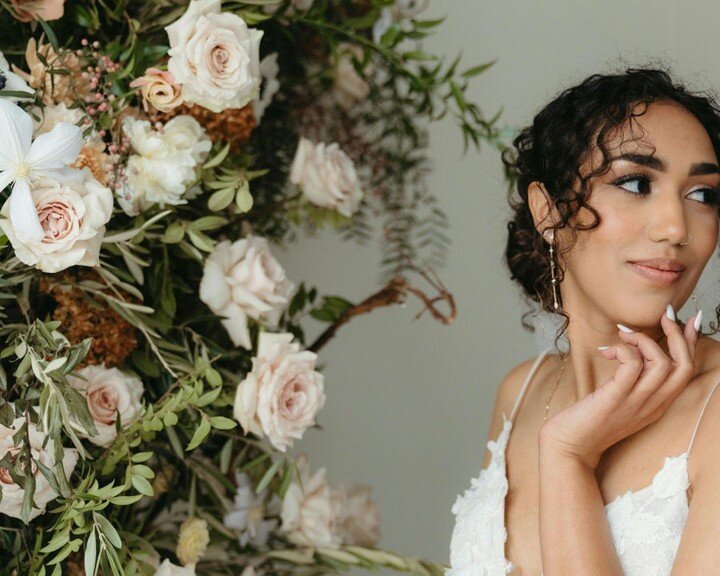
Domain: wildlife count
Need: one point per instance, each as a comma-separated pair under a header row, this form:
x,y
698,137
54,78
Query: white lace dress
x,y
646,524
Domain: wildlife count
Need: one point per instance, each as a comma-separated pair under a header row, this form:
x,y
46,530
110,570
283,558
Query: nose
x,y
668,222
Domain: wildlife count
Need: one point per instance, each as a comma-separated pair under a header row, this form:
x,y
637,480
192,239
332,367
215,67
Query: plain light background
x,y
409,402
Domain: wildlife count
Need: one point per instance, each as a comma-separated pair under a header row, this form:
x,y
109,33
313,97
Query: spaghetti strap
x,y
707,400
533,369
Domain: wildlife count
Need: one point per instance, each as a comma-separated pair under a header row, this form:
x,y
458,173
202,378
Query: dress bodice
x,y
646,524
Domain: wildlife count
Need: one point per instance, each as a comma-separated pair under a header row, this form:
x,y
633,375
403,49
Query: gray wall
x,y
409,401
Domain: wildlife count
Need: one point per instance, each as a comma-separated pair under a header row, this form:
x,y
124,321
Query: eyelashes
x,y
712,193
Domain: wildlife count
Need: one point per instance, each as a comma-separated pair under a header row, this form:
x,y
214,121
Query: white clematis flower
x,y
23,161
11,81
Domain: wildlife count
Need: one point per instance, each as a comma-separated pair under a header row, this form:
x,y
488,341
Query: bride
x,y
613,463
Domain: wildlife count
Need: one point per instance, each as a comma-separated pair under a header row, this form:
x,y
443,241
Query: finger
x,y
692,335
678,345
631,365
657,365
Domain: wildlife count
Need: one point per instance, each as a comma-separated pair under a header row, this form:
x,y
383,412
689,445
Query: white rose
x,y
326,176
43,450
167,568
244,279
214,56
350,86
360,516
309,511
282,394
164,166
73,215
108,392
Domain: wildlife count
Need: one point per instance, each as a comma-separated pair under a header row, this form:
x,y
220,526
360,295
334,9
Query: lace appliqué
x,y
477,546
647,525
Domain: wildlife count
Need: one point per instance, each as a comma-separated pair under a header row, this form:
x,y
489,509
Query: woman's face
x,y
648,203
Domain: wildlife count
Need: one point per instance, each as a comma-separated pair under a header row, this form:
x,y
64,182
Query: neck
x,y
586,366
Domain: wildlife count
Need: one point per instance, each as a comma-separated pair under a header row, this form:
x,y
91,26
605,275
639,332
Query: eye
x,y
710,196
643,188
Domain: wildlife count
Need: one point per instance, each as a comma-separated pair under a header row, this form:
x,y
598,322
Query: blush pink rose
x,y
29,10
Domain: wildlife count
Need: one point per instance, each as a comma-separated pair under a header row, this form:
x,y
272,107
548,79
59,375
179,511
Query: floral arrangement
x,y
154,369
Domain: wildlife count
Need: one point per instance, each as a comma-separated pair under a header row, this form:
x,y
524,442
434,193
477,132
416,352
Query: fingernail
x,y
603,347
624,328
698,321
670,313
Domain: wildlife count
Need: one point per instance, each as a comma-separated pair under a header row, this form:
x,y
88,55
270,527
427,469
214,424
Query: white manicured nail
x,y
603,347
698,321
670,313
624,328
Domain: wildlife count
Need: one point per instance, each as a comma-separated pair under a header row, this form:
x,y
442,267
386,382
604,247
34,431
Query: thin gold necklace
x,y
560,373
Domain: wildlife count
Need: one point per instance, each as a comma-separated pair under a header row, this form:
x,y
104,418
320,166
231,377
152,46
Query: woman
x,y
613,464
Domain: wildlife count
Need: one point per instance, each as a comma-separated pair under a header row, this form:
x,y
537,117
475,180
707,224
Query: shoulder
x,y
706,448
505,396
698,552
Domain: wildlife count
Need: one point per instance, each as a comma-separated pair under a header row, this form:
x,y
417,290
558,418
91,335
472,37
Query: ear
x,y
541,206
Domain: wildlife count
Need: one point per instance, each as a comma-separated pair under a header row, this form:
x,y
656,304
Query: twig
x,y
395,292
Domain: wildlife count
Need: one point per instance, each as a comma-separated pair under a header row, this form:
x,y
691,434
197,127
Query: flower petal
x,y
23,215
16,127
55,149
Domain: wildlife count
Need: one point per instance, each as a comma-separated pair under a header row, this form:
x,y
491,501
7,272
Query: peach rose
x,y
158,89
109,393
360,516
282,394
309,511
73,215
43,450
242,279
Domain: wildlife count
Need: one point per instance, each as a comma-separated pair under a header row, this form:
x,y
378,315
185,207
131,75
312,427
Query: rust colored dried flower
x,y
234,125
93,156
84,316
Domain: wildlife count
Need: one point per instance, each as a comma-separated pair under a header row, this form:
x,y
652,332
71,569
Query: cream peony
x,y
109,393
214,56
43,450
282,394
73,215
244,279
326,176
167,568
350,86
164,166
158,90
310,512
360,516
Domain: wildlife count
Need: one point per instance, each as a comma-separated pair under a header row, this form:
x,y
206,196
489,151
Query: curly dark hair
x,y
552,149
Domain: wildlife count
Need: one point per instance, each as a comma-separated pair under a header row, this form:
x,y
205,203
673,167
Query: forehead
x,y
663,128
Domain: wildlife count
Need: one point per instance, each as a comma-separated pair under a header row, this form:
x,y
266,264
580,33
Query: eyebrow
x,y
698,169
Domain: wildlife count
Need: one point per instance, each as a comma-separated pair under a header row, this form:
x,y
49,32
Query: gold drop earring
x,y
553,278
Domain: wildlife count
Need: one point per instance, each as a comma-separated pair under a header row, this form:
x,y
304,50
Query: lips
x,y
656,276
663,264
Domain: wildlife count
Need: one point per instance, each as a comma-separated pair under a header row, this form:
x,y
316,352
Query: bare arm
x,y
575,537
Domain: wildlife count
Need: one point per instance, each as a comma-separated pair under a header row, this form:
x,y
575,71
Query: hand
x,y
645,384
